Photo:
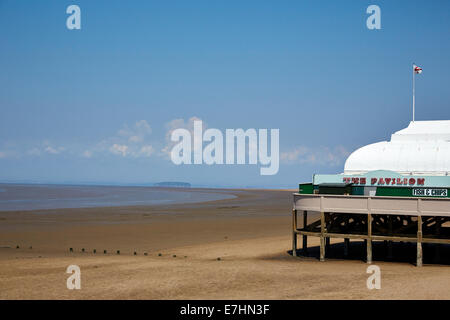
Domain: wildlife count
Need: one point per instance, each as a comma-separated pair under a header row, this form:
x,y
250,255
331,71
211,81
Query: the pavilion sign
x,y
385,181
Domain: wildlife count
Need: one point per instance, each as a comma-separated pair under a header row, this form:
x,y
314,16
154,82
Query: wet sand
x,y
251,234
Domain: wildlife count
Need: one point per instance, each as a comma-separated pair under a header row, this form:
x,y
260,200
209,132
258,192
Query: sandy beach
x,y
225,249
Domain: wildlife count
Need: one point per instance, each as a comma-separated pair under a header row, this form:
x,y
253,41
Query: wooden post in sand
x,y
305,238
322,237
294,233
369,240
419,241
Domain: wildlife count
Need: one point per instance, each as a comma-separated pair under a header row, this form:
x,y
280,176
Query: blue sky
x,y
137,68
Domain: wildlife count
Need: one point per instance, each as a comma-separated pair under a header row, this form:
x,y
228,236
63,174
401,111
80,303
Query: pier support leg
x,y
419,254
369,240
346,246
322,236
294,244
294,233
322,249
369,251
305,238
419,241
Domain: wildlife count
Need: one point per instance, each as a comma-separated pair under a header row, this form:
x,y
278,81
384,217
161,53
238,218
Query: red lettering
x,y
381,181
355,180
362,181
412,181
388,180
399,181
373,180
421,181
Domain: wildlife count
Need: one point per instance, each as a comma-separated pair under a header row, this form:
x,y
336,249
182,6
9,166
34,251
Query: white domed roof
x,y
421,148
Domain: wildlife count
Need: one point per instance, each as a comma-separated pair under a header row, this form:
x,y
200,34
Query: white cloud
x,y
137,132
143,127
132,151
147,151
52,150
178,124
9,152
43,148
294,154
87,154
135,139
129,141
34,152
119,149
320,155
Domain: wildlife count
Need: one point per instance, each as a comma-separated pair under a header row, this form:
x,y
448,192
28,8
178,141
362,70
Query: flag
x,y
417,69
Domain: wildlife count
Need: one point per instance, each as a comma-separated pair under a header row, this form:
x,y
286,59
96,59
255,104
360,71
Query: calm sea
x,y
14,197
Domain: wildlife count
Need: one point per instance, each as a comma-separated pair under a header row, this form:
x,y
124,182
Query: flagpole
x,y
414,94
